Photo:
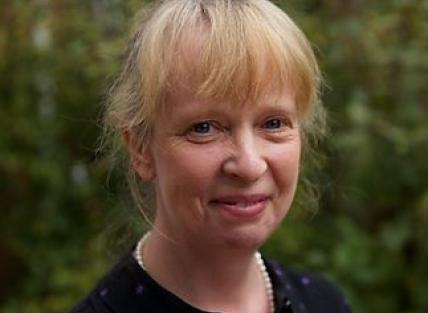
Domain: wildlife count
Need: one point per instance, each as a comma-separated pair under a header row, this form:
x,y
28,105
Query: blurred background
x,y
64,221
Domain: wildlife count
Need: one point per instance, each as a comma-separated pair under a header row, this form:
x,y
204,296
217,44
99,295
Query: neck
x,y
205,272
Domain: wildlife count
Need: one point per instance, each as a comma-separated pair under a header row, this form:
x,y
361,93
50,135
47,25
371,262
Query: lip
x,y
241,206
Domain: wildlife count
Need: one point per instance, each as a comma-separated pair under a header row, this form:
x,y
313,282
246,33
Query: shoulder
x,y
111,289
89,305
307,292
127,288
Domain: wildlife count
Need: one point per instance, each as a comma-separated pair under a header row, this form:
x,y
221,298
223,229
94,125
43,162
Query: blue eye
x,y
204,131
201,128
274,123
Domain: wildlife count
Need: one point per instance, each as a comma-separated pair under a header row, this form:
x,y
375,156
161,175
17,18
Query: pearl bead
x,y
138,253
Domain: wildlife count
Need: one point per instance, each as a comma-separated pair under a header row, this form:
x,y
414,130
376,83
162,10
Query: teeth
x,y
239,204
246,204
243,205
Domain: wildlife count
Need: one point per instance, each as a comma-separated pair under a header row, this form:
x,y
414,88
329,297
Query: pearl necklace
x,y
138,253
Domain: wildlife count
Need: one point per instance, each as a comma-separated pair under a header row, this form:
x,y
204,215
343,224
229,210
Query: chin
x,y
247,238
253,235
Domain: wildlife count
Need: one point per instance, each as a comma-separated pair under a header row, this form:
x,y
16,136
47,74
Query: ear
x,y
139,155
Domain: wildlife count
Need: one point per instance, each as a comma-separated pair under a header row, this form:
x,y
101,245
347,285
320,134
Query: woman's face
x,y
223,174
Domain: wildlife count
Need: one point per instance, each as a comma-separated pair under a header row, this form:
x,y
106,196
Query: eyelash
x,y
212,130
283,123
204,123
204,131
210,125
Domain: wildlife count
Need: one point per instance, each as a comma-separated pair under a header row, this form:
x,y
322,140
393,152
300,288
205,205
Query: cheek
x,y
286,164
187,171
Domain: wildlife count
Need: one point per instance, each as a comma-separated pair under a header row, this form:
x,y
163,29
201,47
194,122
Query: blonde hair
x,y
244,47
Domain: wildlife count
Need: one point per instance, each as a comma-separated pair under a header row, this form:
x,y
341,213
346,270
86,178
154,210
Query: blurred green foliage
x,y
60,208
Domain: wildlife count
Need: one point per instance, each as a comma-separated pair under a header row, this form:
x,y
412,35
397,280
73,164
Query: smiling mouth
x,y
241,206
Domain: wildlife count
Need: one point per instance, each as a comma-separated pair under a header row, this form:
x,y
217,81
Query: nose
x,y
246,161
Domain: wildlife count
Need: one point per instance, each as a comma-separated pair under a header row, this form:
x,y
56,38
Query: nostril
x,y
245,161
245,168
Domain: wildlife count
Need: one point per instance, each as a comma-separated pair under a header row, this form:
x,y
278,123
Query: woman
x,y
214,105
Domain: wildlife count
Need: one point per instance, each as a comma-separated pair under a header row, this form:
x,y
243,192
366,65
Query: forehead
x,y
183,101
209,83
238,52
209,70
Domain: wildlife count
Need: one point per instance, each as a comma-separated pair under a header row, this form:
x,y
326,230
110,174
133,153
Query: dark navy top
x,y
127,288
